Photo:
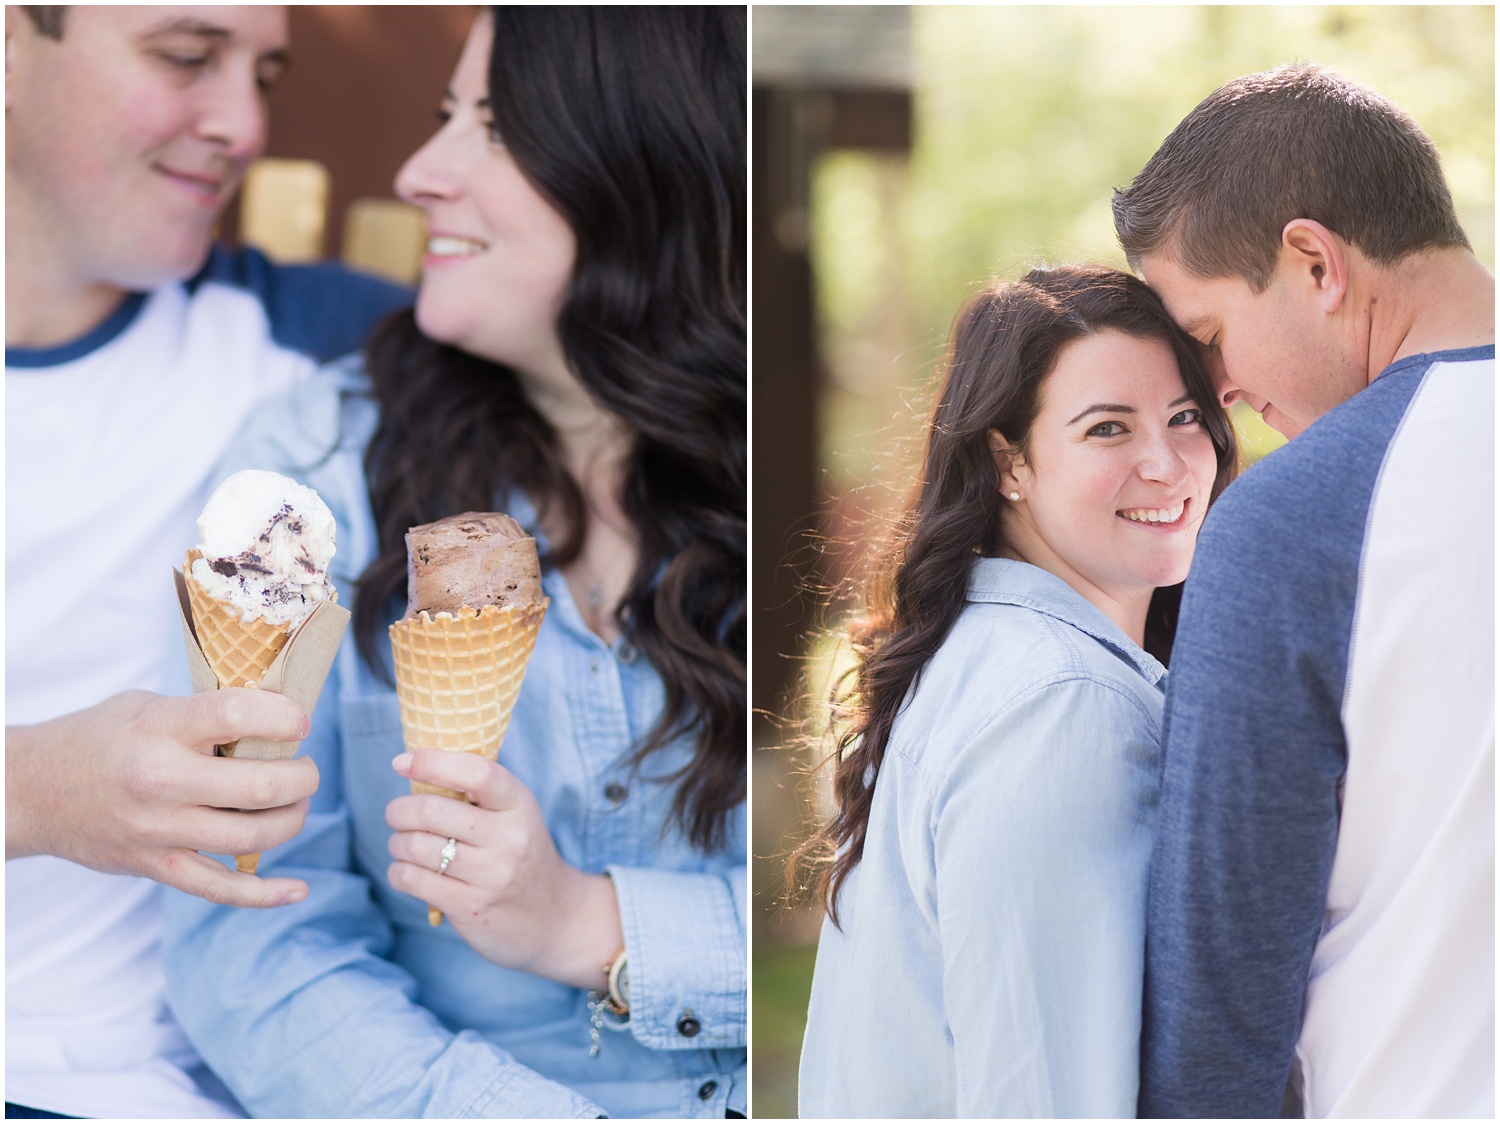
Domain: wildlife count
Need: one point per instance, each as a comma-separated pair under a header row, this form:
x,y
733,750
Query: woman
x,y
575,358
985,871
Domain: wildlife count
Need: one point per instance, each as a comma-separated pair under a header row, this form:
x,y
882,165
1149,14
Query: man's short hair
x,y
1295,142
48,20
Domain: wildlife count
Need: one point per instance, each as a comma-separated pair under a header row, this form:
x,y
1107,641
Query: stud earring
x,y
1015,495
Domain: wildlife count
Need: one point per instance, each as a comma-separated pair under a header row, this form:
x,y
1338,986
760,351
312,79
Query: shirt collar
x,y
1004,581
1428,358
88,343
517,504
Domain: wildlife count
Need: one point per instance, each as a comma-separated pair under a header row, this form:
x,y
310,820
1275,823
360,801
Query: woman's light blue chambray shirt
x,y
349,1003
993,934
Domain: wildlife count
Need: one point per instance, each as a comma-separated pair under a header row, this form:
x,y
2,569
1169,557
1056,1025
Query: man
x,y
1323,884
133,352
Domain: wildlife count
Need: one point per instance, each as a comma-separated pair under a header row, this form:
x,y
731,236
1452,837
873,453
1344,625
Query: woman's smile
x,y
443,248
1168,516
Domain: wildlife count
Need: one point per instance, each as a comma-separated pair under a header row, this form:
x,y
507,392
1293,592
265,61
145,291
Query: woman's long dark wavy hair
x,y
1004,343
630,121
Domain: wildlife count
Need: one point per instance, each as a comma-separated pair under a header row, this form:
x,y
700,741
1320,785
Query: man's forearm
x,y
21,751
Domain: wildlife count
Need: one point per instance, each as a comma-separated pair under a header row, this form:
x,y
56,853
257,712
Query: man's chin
x,y
1282,424
158,265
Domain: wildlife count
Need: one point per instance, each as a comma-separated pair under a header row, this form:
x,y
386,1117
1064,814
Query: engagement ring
x,y
448,854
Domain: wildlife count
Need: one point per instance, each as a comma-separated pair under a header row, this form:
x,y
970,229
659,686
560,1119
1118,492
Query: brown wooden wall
x,y
360,94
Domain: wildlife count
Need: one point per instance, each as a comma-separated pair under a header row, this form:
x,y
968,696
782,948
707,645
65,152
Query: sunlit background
x,y
902,157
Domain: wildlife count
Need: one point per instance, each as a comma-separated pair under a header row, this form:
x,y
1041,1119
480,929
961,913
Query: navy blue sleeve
x,y
324,310
1254,758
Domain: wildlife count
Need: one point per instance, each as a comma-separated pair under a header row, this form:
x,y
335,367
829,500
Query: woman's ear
x,y
1009,462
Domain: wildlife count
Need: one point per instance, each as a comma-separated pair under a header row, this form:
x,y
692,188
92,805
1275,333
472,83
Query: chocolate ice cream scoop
x,y
474,559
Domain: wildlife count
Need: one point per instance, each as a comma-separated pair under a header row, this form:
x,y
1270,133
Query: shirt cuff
x,y
521,1093
685,946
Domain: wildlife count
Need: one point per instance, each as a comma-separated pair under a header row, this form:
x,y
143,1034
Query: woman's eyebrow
x,y
1105,408
1113,408
449,95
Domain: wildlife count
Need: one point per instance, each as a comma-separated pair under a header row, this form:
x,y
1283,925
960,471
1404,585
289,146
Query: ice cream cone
x,y
240,652
457,678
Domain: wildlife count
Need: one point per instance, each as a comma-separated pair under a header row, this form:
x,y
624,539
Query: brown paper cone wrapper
x,y
457,679
239,652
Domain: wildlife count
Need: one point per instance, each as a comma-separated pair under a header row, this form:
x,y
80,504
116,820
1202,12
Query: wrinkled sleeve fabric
x,y
264,993
1043,829
685,936
1254,755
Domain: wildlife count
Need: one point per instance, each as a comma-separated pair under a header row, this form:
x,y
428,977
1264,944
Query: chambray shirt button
x,y
626,652
615,792
707,1089
593,667
688,1025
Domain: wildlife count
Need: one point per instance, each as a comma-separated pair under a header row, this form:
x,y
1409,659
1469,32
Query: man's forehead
x,y
261,27
1185,296
188,23
1193,302
1160,270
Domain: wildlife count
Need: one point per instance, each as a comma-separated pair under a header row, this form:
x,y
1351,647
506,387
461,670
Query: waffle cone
x,y
239,652
457,679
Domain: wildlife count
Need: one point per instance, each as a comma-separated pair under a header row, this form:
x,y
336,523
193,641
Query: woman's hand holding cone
x,y
507,892
132,786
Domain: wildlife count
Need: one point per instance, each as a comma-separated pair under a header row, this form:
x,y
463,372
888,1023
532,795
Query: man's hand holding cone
x,y
257,604
131,786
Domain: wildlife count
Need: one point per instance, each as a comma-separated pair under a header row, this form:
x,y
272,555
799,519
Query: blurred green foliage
x,y
783,979
1027,117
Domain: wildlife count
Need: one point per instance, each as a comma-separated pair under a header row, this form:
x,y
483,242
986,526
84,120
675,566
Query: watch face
x,y
623,983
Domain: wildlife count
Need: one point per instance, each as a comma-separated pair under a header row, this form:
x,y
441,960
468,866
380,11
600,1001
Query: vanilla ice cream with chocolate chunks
x,y
266,544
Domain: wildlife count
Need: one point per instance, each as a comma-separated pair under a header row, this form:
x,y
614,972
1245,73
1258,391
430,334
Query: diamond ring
x,y
448,854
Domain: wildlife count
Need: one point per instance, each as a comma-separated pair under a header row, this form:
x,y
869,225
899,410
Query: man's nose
x,y
1218,375
233,115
